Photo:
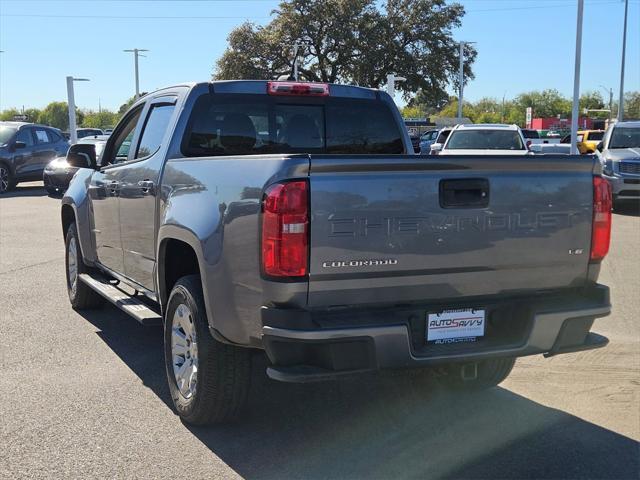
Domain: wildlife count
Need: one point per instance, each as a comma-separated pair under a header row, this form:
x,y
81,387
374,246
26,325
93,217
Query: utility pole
x,y
624,49
610,92
502,115
575,112
295,61
71,101
461,78
136,54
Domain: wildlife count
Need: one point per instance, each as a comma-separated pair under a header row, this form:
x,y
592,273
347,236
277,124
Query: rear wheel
x,y
7,182
81,295
208,380
479,375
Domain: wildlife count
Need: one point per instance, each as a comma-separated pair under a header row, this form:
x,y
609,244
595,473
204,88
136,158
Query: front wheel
x,y
209,380
7,182
479,376
81,295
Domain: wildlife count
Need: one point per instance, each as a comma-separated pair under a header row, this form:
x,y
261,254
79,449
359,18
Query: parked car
x,y
485,139
587,140
88,132
25,150
550,148
415,142
619,153
426,140
441,138
58,173
328,244
531,136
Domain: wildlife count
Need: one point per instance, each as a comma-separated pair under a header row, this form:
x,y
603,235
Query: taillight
x,y
601,230
298,88
285,229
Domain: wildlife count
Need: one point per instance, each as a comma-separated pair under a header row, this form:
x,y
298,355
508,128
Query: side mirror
x,y
18,144
600,147
82,155
435,148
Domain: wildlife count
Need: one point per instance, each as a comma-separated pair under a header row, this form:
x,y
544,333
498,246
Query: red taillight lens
x,y
285,229
601,233
298,88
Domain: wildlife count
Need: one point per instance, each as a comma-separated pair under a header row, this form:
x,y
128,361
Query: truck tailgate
x,y
409,228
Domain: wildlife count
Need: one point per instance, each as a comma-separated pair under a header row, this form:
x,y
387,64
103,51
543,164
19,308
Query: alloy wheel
x,y
184,351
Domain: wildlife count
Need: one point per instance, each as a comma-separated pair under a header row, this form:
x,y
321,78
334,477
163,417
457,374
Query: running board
x,y
127,303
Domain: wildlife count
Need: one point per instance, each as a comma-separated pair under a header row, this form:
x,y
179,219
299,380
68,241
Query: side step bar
x,y
121,299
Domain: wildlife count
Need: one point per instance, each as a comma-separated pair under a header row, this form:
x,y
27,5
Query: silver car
x,y
619,153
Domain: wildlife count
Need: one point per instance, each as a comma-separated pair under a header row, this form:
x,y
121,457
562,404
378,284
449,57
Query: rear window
x,y
596,135
237,124
485,140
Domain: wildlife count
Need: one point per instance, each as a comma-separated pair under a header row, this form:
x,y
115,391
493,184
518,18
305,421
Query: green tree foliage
x,y
127,105
353,41
102,119
547,103
7,115
56,114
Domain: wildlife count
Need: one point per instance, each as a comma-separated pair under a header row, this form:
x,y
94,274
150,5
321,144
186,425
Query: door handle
x,y
113,187
146,186
464,193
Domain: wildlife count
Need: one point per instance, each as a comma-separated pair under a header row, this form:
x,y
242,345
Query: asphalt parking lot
x,y
83,395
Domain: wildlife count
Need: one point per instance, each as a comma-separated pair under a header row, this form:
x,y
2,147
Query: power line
x,y
129,17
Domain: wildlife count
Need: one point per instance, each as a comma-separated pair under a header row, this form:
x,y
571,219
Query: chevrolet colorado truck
x,y
294,218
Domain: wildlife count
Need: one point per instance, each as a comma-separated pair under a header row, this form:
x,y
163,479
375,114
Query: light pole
x,y
624,48
575,112
73,135
392,78
136,54
461,78
610,92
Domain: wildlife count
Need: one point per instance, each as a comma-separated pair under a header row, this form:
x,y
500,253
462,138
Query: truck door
x,y
104,193
44,150
139,190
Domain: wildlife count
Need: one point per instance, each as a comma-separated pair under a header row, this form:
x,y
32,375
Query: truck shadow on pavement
x,y
631,209
26,191
385,426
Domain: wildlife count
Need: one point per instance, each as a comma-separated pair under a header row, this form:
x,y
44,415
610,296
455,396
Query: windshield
x,y
252,124
625,137
485,140
6,133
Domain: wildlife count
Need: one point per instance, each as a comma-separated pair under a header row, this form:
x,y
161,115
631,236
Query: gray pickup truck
x,y
293,218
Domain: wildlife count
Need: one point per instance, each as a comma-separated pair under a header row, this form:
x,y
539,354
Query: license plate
x,y
453,326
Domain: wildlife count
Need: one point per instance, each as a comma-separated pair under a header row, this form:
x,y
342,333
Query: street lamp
x,y
575,111
73,135
624,48
392,78
136,54
461,77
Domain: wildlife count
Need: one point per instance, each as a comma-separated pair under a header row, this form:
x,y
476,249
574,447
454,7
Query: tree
x,y
591,100
548,103
7,115
353,41
102,119
632,105
56,114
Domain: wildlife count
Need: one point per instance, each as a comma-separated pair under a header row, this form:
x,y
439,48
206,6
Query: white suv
x,y
485,139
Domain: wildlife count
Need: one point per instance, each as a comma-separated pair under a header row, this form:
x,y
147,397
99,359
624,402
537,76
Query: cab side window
x,y
41,136
26,137
119,150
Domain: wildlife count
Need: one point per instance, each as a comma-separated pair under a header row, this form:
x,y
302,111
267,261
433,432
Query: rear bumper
x,y
552,326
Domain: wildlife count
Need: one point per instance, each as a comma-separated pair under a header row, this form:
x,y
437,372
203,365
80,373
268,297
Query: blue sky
x,y
523,45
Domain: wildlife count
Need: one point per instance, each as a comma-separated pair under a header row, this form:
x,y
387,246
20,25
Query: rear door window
x,y
251,124
41,136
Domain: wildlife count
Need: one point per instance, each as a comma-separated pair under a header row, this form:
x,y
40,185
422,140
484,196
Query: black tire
x,y
490,373
7,180
223,373
82,297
